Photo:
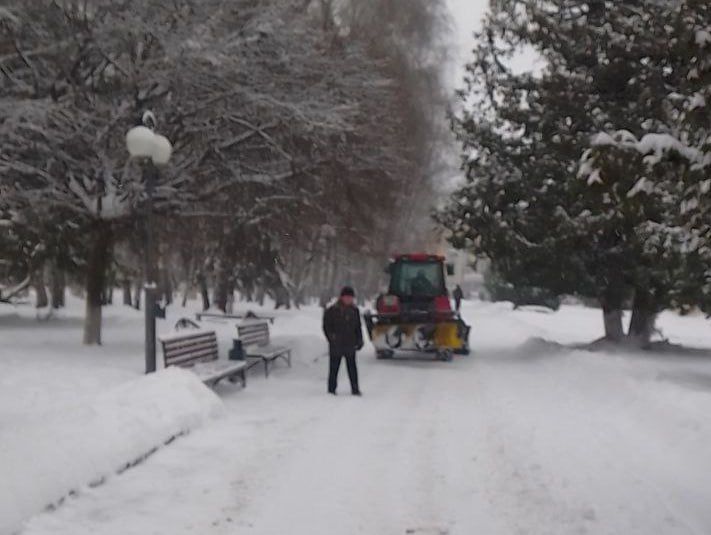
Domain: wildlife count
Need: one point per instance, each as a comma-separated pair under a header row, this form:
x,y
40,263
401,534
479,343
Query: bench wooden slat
x,y
252,337
188,344
180,336
191,348
199,352
248,341
255,341
174,346
220,316
254,333
254,324
187,360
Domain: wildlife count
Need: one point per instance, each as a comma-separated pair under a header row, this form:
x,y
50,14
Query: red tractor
x,y
416,313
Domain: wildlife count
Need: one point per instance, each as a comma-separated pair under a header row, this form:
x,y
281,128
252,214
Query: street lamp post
x,y
153,150
150,289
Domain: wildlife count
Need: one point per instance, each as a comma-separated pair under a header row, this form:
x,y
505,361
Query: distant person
x,y
458,295
341,325
421,285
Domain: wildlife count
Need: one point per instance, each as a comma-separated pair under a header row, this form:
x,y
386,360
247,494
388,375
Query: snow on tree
x,y
281,122
552,196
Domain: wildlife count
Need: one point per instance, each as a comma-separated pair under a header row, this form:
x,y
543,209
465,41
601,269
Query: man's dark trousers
x,y
335,365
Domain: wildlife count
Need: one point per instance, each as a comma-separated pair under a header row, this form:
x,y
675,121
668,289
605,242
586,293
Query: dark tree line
x,y
304,140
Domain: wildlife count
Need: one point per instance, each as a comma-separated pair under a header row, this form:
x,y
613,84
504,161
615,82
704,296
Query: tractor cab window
x,y
417,279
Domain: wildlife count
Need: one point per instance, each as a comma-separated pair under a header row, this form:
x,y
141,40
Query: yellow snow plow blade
x,y
447,337
419,336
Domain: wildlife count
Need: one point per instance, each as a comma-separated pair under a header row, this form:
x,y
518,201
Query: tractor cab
x,y
417,285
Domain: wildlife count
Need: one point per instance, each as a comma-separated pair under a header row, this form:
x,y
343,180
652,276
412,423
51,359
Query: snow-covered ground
x,y
524,436
47,456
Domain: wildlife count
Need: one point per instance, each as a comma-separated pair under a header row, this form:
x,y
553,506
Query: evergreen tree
x,y
604,227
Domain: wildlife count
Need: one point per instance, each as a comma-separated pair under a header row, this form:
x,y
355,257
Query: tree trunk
x,y
168,289
246,293
219,297
109,284
335,273
126,289
57,287
137,294
204,292
611,301
165,283
37,282
324,290
108,294
643,317
230,304
97,265
613,324
281,298
186,293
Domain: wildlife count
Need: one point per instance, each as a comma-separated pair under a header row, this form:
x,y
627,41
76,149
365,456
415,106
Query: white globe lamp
x,y
162,150
140,142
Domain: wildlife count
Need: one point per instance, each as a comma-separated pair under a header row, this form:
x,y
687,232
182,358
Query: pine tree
x,y
604,226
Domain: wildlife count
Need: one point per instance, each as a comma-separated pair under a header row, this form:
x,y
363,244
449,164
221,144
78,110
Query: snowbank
x,y
45,459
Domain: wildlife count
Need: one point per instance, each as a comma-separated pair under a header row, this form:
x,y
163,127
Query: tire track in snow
x,y
374,453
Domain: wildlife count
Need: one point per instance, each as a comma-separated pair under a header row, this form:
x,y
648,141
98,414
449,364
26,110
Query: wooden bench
x,y
185,323
198,351
254,336
246,316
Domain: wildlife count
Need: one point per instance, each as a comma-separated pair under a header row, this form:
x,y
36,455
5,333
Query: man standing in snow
x,y
341,325
421,285
458,295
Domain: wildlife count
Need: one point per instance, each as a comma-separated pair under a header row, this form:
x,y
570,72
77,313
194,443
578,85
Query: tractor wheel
x,y
383,354
445,355
464,350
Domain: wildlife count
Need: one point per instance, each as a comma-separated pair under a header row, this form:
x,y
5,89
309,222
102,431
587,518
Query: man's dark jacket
x,y
341,325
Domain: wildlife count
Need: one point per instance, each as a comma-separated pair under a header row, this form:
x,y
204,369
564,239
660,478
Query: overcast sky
x,y
466,14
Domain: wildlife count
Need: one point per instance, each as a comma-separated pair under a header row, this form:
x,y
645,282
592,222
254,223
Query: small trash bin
x,y
160,311
237,351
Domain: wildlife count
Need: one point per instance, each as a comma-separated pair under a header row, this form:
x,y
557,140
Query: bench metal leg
x,y
266,367
286,356
240,376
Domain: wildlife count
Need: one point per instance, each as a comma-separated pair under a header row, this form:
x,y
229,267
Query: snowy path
x,y
522,437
